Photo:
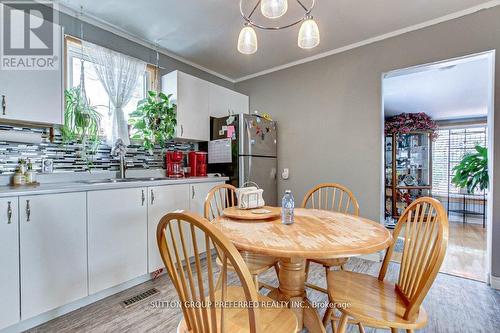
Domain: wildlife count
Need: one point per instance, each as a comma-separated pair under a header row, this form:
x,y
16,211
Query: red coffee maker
x,y
175,164
198,163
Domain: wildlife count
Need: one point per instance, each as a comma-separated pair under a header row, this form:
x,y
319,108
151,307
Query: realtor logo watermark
x,y
29,37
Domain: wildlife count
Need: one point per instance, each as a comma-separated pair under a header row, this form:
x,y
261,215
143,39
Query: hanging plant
x,y
154,121
472,172
82,122
406,123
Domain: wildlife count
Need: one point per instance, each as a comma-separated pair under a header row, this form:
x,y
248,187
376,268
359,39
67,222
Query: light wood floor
x,y
454,305
466,252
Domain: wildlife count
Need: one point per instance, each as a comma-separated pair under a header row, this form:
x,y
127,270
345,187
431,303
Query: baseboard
x,y
52,314
495,282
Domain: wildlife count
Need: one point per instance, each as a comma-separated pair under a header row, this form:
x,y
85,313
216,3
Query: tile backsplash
x,y
67,157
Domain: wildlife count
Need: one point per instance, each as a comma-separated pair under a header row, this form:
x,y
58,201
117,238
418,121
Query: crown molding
x,y
93,20
452,16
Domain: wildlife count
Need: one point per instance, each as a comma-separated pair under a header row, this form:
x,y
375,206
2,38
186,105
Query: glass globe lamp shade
x,y
247,40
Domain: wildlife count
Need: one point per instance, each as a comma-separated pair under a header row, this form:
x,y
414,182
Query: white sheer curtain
x,y
119,74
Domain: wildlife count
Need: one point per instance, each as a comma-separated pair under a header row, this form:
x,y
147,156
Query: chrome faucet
x,y
120,150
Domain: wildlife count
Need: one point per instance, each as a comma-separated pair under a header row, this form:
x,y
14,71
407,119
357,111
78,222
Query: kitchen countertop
x,y
80,186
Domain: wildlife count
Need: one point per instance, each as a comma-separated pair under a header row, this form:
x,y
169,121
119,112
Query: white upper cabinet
x,y
191,96
117,236
223,101
34,96
53,243
9,259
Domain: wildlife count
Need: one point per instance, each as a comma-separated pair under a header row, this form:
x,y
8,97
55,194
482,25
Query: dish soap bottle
x,y
287,206
30,174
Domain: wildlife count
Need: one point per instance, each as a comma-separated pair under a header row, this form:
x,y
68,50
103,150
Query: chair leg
x,y
394,330
410,331
330,310
277,268
342,268
256,282
361,328
342,323
218,284
307,269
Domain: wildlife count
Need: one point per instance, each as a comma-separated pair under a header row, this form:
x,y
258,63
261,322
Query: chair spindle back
x,y
177,233
332,197
424,229
220,197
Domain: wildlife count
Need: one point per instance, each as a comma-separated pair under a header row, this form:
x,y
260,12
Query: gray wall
x,y
107,39
329,110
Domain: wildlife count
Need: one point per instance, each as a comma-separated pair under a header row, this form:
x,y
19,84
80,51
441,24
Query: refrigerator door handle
x,y
249,138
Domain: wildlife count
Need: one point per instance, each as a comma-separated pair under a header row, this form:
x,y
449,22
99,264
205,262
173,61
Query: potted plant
x,y
82,122
154,121
472,172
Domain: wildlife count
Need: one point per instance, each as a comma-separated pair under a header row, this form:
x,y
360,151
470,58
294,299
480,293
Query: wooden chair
x,y
382,304
204,308
337,198
219,198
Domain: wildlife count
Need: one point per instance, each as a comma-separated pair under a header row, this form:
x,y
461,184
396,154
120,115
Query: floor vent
x,y
140,297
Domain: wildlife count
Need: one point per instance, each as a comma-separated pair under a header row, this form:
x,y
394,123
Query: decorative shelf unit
x,y
408,170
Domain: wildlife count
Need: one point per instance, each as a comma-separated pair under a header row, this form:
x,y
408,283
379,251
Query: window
x,y
95,90
448,150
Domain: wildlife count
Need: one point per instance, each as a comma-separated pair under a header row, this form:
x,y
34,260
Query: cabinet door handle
x,y
28,211
182,130
152,197
192,192
4,105
143,198
9,213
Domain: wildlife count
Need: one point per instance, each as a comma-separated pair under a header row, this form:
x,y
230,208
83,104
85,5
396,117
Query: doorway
x,y
457,96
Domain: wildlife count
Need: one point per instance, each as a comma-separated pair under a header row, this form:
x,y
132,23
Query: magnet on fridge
x,y
224,128
221,132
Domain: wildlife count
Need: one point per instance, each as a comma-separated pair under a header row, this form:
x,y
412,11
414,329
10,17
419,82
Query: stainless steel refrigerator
x,y
251,152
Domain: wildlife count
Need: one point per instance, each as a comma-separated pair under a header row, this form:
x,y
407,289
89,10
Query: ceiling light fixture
x,y
308,36
273,8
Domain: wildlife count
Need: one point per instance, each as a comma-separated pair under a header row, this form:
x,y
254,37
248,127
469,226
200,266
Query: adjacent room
x,y
249,166
437,118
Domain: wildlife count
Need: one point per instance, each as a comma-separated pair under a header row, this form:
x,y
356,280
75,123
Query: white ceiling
x,y
205,31
452,90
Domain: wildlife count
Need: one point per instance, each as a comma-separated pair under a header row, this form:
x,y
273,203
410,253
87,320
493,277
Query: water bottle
x,y
287,205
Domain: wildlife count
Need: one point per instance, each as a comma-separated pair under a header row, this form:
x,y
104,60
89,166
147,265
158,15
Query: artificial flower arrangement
x,y
405,123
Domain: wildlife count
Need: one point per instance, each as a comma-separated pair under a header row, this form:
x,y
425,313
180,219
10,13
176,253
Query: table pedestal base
x,y
292,289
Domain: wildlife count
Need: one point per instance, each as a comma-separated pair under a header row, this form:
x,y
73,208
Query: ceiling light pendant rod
x,y
255,8
305,8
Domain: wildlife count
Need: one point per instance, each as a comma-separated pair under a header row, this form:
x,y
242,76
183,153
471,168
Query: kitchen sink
x,y
122,180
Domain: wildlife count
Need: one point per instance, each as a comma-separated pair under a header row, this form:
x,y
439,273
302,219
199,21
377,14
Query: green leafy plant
x,y
154,121
472,172
82,122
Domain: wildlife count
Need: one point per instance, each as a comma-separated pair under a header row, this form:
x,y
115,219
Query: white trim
x,y
134,38
495,282
452,16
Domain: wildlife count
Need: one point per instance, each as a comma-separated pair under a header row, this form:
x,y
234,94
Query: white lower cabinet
x,y
162,200
9,259
117,236
198,194
53,251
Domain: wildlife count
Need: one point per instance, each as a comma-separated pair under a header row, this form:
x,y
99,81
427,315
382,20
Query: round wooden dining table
x,y
316,234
